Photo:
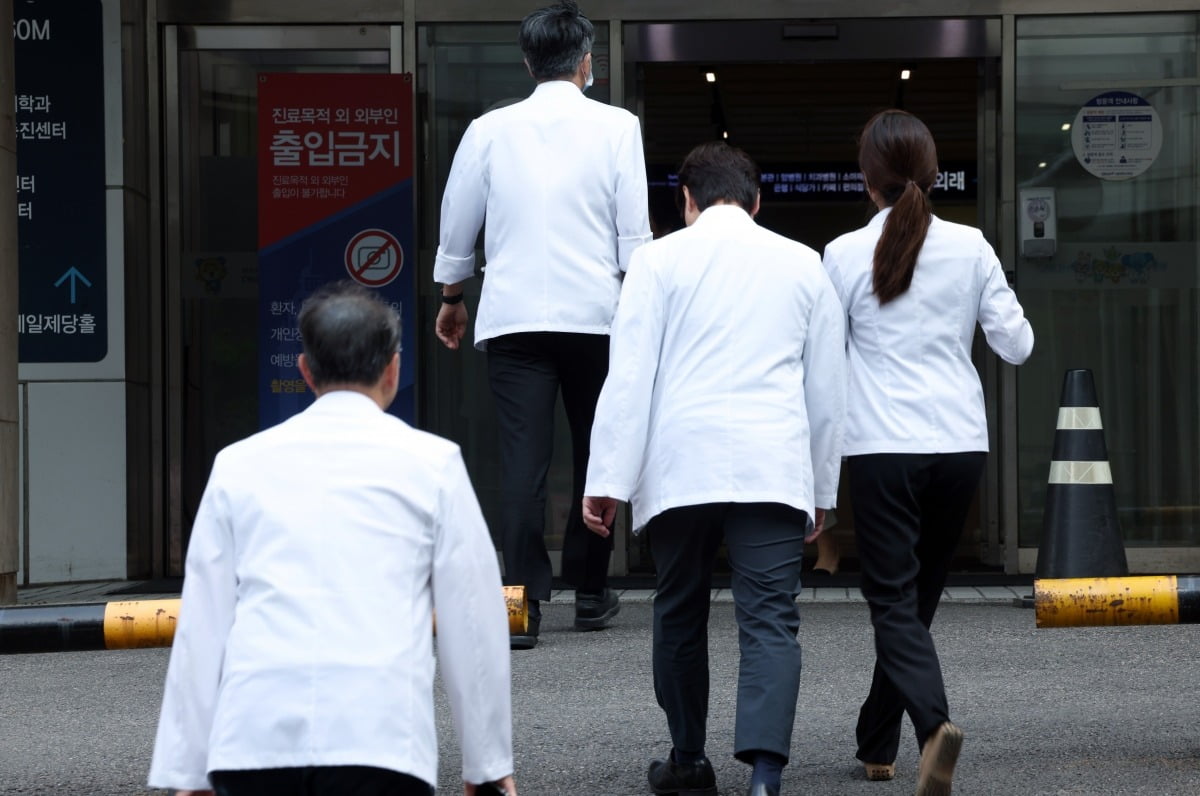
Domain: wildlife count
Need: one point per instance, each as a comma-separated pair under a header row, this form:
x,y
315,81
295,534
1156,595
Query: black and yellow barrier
x,y
1108,602
90,626
135,624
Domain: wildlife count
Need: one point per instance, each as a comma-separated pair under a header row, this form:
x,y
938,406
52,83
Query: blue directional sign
x,y
62,306
73,275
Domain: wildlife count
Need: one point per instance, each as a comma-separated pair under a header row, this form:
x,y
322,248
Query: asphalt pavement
x,y
1077,712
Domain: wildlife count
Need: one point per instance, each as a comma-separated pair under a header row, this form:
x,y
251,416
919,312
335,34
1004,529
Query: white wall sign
x,y
1117,135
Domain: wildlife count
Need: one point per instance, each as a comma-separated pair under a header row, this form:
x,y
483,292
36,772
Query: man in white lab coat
x,y
303,661
561,180
721,421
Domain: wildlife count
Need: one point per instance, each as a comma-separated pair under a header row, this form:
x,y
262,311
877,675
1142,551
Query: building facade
x,y
1069,136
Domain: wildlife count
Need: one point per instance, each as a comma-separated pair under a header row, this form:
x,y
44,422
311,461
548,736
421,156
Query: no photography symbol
x,y
374,257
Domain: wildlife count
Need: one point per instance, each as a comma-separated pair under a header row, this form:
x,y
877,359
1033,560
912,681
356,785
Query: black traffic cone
x,y
1081,537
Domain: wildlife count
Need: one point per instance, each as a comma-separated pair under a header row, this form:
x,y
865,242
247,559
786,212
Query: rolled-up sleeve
x,y
632,196
472,630
463,206
180,759
1001,316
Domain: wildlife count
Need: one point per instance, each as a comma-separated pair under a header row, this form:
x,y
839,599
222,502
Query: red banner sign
x,y
329,143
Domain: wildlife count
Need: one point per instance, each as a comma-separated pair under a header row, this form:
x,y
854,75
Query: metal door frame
x,y
174,40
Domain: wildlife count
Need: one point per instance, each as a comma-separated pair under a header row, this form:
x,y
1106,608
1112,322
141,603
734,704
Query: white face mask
x,y
587,83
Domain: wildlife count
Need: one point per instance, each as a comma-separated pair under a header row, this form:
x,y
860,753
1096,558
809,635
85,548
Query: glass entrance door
x,y
468,69
1118,293
795,97
211,241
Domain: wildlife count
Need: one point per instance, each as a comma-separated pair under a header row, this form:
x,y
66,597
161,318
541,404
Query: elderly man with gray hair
x,y
304,657
561,181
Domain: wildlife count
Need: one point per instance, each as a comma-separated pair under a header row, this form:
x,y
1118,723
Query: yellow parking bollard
x,y
1105,602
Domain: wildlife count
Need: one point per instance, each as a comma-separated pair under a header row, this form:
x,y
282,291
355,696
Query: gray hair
x,y
350,334
555,40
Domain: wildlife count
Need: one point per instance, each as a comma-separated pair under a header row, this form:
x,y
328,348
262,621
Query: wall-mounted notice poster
x,y
1117,135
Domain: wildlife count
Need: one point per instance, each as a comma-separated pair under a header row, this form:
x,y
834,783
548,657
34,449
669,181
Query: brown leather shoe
x,y
879,772
938,759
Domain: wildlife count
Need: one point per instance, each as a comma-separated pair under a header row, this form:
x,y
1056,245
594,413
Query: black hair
x,y
350,334
555,39
899,162
716,171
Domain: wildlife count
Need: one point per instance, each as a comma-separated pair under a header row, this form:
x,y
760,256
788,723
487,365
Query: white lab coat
x,y
319,552
561,180
727,374
913,386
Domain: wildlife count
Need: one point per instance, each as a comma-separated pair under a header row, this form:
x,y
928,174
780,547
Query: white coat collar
x,y
878,219
344,401
723,215
557,89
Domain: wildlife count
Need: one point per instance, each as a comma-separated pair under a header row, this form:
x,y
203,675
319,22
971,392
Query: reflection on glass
x,y
1119,295
219,242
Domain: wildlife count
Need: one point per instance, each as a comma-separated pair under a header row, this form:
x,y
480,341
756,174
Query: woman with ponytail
x,y
913,287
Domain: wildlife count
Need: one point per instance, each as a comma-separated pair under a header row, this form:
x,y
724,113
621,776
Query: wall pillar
x,y
9,423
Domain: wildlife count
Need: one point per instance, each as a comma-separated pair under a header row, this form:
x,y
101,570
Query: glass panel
x,y
464,71
219,242
1119,294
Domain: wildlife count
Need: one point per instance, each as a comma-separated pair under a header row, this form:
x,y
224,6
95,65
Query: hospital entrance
x,y
799,117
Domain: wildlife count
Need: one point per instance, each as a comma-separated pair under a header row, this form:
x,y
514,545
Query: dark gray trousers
x,y
909,511
765,543
526,372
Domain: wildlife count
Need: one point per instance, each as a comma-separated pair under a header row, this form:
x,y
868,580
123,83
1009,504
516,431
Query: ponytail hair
x,y
898,159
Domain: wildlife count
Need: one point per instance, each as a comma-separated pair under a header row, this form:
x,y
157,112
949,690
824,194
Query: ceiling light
x,y
905,74
1066,126
1042,165
725,134
711,77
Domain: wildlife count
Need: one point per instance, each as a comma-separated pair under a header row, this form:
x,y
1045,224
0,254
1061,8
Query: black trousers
x,y
526,372
909,511
318,781
765,543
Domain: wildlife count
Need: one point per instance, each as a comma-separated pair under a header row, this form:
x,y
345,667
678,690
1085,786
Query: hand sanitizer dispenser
x,y
1038,225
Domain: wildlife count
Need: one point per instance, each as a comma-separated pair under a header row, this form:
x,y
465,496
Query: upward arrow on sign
x,y
73,274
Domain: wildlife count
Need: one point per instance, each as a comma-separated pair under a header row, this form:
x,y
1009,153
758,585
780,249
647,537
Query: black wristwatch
x,y
452,299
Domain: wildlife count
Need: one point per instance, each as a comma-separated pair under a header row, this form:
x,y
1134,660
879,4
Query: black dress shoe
x,y
593,610
684,779
762,790
528,639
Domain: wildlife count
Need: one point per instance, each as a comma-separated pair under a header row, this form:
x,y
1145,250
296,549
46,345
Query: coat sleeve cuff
x,y
448,270
179,780
626,245
621,493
